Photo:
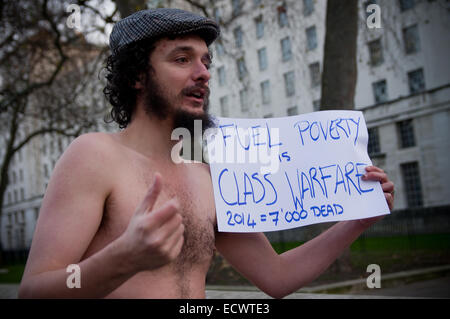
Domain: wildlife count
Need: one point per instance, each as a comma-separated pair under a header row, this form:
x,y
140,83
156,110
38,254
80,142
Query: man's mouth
x,y
196,94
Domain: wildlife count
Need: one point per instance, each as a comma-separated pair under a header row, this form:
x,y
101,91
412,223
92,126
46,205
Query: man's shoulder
x,y
95,143
95,150
85,166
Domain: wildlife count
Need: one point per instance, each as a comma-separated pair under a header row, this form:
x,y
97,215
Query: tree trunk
x,y
339,62
339,74
127,7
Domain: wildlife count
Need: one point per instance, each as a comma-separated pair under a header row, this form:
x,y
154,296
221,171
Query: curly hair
x,y
123,70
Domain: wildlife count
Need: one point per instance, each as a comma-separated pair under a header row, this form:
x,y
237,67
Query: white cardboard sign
x,y
281,173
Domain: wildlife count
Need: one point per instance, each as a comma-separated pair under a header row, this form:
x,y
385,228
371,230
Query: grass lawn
x,y
11,273
432,242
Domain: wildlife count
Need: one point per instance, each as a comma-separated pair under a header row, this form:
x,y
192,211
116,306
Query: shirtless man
x,y
137,224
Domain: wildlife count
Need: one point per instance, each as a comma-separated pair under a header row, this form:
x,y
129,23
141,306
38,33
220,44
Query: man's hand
x,y
153,237
374,173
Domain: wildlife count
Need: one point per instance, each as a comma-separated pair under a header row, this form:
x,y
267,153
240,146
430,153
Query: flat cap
x,y
157,23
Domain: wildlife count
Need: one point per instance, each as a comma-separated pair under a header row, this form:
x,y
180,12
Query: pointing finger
x,y
152,194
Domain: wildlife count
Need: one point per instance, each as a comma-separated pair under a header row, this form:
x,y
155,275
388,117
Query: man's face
x,y
177,84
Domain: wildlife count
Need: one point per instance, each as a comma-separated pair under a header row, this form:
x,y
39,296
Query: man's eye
x,y
181,59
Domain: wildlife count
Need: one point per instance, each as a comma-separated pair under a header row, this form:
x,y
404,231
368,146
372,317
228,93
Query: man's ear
x,y
138,85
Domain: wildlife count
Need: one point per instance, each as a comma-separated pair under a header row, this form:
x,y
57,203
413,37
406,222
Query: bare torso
x,y
191,184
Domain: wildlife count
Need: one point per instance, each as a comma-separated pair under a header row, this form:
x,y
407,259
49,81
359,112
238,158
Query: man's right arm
x,y
70,216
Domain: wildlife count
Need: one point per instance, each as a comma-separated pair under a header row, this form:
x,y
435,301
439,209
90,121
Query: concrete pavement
x,y
434,288
8,291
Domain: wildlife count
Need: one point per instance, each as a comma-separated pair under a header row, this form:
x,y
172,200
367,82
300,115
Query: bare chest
x,y
194,193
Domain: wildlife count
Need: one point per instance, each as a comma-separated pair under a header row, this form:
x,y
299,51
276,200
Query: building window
x,y
224,106
262,59
60,146
217,15
222,75
314,72
282,16
21,237
316,105
308,7
46,172
406,134
373,146
9,238
243,98
292,111
411,39
412,184
265,92
220,49
286,49
380,91
242,69
236,6
376,52
416,81
406,4
259,27
289,83
311,38
256,3
238,36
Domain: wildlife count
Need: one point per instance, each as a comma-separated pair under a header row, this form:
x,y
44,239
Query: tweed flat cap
x,y
156,23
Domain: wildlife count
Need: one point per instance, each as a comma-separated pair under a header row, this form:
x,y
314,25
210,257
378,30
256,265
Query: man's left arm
x,y
279,275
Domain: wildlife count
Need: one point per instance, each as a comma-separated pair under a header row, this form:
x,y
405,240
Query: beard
x,y
158,103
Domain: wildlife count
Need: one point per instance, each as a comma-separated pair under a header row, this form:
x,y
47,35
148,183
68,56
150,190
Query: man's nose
x,y
201,73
